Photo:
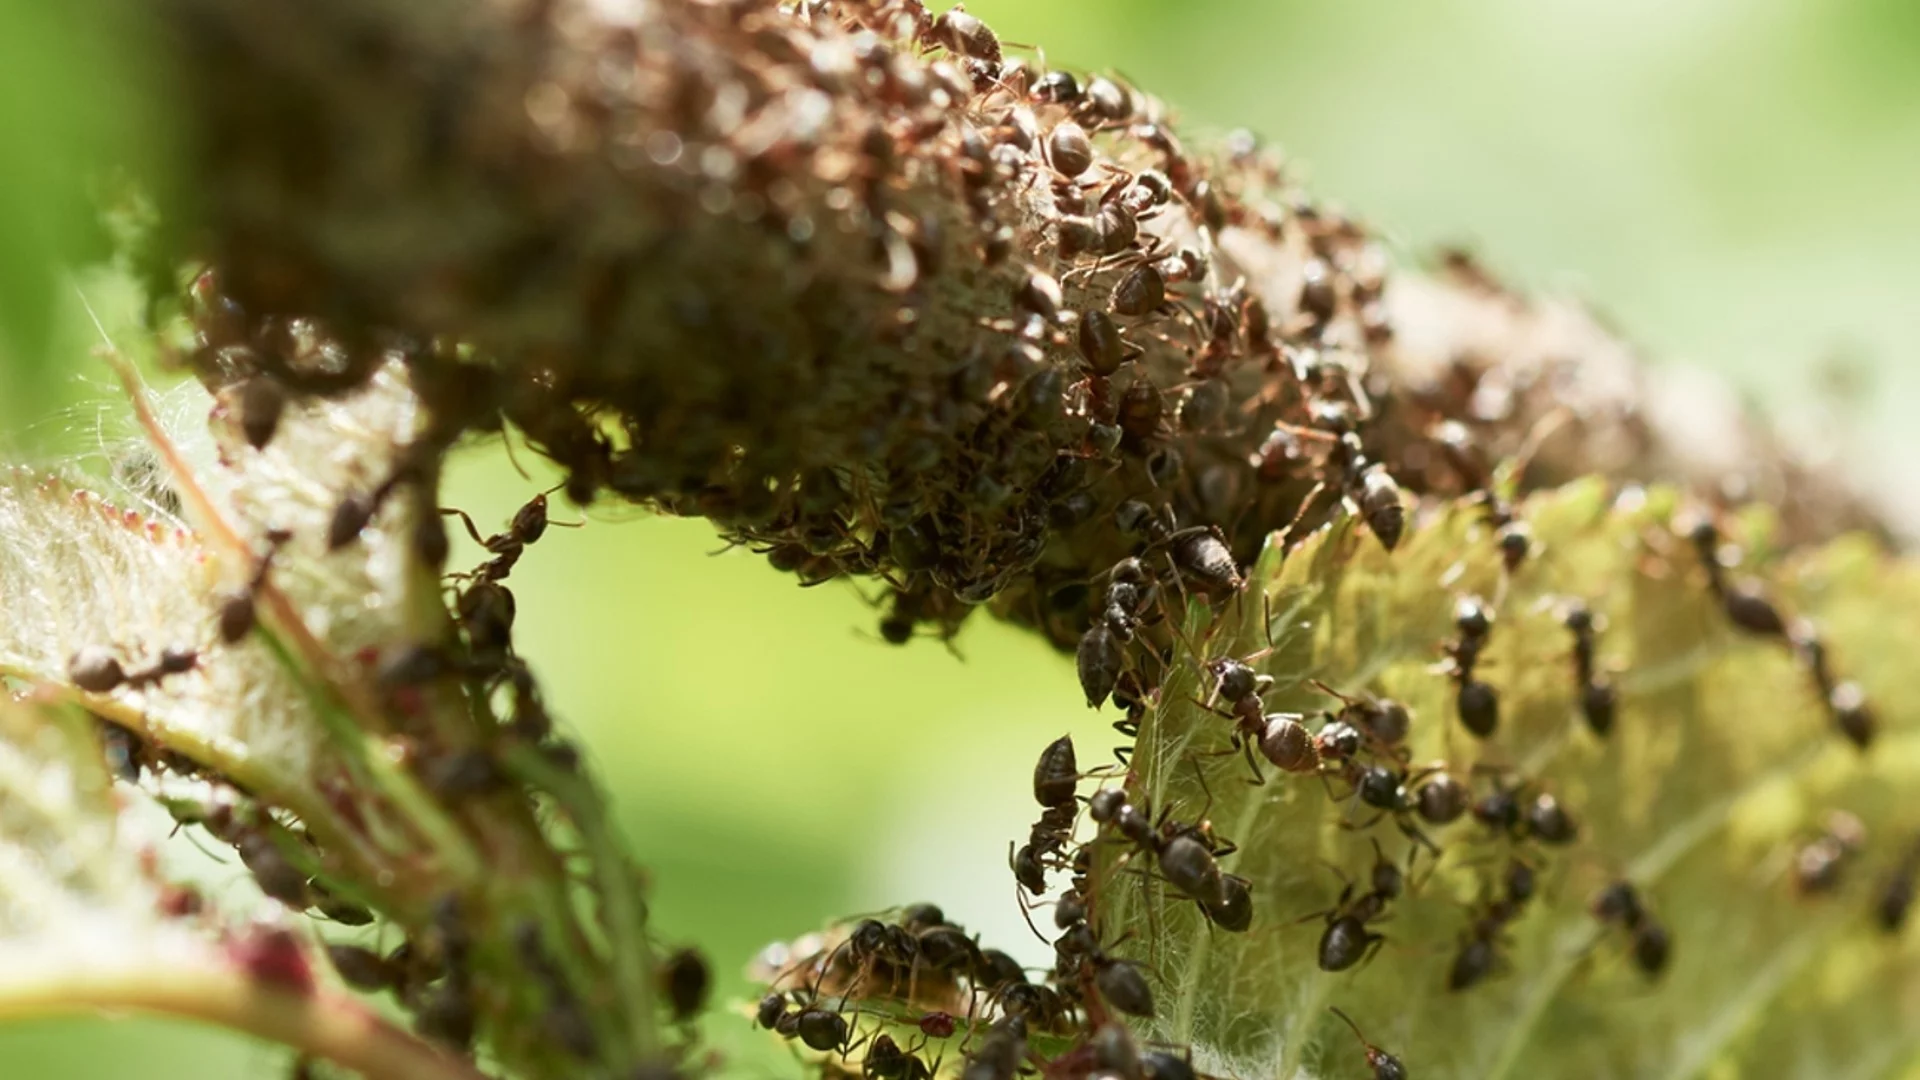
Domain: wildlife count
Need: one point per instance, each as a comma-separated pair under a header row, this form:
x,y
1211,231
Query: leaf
x,y
1721,763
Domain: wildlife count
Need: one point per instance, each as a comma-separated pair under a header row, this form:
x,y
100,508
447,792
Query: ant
x,y
1598,699
527,526
1187,856
1384,1065
1384,719
1366,488
1817,867
236,616
97,671
1846,702
1896,894
1199,553
1477,703
1346,941
1743,604
1479,954
1621,903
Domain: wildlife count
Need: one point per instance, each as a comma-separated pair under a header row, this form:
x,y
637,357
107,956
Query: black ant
x,y
1479,954
1346,941
1477,703
1055,775
1818,866
1743,604
1598,699
1187,856
1896,893
1384,720
1367,488
1846,702
1384,1065
1199,553
236,615
1620,903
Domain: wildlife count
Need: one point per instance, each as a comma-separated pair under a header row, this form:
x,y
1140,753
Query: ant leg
x,y
448,511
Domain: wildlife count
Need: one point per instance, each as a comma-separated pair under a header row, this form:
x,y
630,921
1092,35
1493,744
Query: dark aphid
x,y
568,1027
1851,715
462,774
1099,660
1380,504
1002,1052
1652,947
1056,774
941,1025
1896,894
1140,292
1753,612
1477,959
1124,986
684,982
1441,799
1520,883
1384,1065
349,518
1101,345
1057,87
262,401
124,751
1548,821
822,1029
363,969
1479,707
276,875
1162,1065
1599,703
1284,741
1068,149
1618,903
95,670
1234,911
771,1009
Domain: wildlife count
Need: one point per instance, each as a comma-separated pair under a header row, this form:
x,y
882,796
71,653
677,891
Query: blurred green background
x,y
1737,182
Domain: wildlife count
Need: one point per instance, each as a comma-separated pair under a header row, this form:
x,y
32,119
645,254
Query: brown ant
x,y
95,670
527,526
1384,1065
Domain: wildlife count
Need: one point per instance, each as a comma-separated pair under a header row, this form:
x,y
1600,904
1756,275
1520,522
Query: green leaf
x,y
1721,763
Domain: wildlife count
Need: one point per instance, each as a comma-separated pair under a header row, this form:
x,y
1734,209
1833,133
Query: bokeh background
x,y
1736,182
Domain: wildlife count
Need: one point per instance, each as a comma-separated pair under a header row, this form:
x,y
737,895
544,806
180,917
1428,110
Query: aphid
x,y
684,983
349,518
262,400
1384,1065
364,969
